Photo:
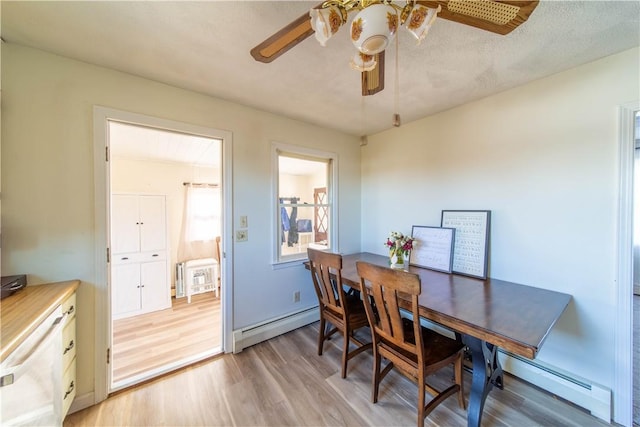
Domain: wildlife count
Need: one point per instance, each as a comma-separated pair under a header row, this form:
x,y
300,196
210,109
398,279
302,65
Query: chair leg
x,y
321,334
376,375
345,349
421,401
459,380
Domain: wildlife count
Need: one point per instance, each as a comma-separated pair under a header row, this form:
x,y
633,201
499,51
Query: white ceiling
x,y
137,142
204,46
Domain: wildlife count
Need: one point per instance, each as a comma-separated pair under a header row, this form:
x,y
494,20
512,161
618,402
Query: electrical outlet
x,y
243,221
242,235
296,296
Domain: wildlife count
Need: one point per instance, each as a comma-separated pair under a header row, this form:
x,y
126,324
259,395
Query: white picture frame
x,y
433,247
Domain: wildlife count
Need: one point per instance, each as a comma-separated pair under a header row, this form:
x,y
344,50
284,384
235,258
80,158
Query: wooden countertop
x,y
22,312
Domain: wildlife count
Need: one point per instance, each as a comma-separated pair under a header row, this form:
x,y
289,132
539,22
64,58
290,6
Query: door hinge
x,y
106,149
108,256
108,356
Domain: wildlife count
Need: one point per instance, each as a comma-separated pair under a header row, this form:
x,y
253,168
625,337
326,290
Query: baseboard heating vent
x,y
254,334
582,392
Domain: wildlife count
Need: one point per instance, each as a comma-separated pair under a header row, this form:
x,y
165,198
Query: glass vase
x,y
396,259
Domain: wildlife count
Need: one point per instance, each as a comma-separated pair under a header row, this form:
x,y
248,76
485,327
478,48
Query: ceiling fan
x,y
497,16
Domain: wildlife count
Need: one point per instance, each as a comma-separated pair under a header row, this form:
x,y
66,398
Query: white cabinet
x,y
139,268
68,353
139,223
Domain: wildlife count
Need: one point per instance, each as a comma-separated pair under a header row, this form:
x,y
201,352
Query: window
x,y
305,208
200,222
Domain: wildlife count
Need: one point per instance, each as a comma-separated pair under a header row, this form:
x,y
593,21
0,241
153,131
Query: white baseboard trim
x,y
82,402
246,337
584,393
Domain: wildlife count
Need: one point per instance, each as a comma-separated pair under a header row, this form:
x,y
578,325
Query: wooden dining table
x,y
488,314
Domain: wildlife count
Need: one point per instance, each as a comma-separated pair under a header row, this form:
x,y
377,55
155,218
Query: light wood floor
x,y
153,340
283,382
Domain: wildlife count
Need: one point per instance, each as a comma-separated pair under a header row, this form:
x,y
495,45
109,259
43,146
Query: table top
x,y
514,317
22,312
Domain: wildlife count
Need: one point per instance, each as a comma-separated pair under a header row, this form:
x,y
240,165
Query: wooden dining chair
x,y
415,350
345,312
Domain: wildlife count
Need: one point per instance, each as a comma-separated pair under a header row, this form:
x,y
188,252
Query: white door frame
x,y
101,117
623,380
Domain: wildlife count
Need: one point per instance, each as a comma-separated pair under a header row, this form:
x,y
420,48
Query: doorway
x,y
102,117
152,171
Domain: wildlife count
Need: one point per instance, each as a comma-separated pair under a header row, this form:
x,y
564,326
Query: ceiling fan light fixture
x,y
420,20
362,62
326,22
374,27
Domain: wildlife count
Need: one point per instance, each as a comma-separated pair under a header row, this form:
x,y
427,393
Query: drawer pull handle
x,y
71,310
124,257
68,348
69,390
155,255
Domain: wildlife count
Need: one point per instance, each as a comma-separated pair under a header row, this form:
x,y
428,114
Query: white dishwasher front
x,y
30,378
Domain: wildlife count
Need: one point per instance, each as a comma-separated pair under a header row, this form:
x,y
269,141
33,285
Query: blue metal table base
x,y
487,373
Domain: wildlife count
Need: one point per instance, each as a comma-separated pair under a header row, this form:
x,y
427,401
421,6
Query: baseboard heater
x,y
254,334
588,395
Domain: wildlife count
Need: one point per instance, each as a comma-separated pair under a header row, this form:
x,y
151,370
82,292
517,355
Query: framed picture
x,y
471,247
434,247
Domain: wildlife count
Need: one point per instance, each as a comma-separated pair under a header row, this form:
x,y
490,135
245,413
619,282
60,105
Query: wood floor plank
x,y
283,382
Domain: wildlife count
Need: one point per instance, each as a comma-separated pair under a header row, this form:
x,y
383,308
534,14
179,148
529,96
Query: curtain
x,y
200,223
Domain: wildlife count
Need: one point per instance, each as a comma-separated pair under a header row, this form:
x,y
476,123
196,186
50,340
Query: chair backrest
x,y
326,272
386,286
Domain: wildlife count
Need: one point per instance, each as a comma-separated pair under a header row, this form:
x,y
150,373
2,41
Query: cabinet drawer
x,y
153,256
69,307
68,387
134,257
68,343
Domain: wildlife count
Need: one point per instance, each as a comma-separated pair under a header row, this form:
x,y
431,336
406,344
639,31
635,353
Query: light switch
x,y
243,221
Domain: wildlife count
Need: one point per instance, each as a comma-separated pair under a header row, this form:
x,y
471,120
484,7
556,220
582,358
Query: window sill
x,y
279,265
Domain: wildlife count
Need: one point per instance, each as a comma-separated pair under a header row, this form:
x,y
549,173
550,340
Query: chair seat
x,y
357,314
437,347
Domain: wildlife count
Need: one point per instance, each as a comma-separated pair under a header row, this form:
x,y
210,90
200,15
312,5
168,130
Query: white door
x,y
153,223
125,219
153,277
125,279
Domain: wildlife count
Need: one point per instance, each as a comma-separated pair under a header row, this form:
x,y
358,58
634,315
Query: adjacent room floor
x,y
149,341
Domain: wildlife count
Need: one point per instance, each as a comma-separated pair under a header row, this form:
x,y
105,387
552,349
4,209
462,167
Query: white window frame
x,y
278,148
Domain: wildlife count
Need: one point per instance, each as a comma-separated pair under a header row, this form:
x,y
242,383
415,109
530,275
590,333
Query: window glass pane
x,y
303,204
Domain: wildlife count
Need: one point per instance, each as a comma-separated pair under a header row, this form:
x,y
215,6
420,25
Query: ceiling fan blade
x,y
497,16
373,81
283,40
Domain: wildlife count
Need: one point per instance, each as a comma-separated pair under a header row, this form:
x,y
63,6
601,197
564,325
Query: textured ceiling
x,y
204,46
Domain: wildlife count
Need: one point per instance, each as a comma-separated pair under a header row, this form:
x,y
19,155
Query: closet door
x,y
125,223
155,295
126,289
153,223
